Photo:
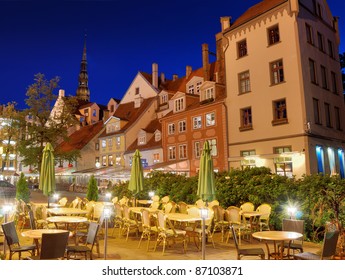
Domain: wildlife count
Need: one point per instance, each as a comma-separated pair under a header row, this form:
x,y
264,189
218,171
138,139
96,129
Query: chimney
x,y
188,71
205,62
225,22
175,77
162,78
61,93
155,75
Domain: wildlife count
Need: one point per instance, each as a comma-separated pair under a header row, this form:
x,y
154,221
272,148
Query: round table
x,y
68,220
276,236
36,234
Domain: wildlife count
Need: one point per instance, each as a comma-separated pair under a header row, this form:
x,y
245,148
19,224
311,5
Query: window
x,y
156,158
209,93
210,119
242,48
320,42
197,149
182,126
337,118
164,98
248,159
110,143
312,70
277,72
318,9
182,151
171,152
279,112
198,84
137,91
191,89
118,160
158,136
309,32
244,82
328,115
94,113
334,82
330,49
324,77
179,104
316,108
283,163
97,146
112,108
171,128
213,146
96,160
341,159
273,35
117,126
246,118
320,159
197,122
104,160
110,160
142,140
104,143
118,142
331,161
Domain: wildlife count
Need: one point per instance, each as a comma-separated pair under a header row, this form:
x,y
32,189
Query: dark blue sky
x,y
123,37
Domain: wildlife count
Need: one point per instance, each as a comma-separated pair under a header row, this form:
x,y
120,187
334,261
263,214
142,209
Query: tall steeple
x,y
83,92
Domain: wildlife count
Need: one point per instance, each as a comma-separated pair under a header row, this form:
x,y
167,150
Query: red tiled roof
x,y
127,112
78,139
255,11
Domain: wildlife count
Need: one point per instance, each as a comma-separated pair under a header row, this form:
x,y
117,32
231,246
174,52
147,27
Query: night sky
x,y
123,37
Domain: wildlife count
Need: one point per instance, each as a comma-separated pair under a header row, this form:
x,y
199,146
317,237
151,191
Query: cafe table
x,y
69,221
276,237
66,211
36,235
137,209
253,216
182,217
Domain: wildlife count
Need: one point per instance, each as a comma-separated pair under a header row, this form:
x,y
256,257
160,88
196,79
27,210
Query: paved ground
x,y
120,249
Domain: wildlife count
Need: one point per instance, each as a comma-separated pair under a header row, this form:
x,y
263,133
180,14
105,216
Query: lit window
x,y
104,143
110,143
320,159
110,160
341,159
277,72
156,158
104,160
283,163
118,160
248,160
142,140
210,119
197,122
213,146
118,142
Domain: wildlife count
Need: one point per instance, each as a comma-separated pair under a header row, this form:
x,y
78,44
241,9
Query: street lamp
x,y
108,196
107,214
292,211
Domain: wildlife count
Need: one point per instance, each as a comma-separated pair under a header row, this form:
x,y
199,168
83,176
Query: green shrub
x,y
22,190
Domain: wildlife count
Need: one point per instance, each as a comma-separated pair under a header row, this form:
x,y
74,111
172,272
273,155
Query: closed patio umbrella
x,y
136,181
206,188
47,174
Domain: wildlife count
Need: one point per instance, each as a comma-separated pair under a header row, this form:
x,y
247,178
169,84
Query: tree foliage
x,y
39,125
22,191
92,189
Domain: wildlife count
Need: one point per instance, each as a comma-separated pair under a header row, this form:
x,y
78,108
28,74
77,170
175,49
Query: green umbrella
x,y
47,174
206,189
136,181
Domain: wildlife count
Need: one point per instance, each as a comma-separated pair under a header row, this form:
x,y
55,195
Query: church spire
x,y
83,92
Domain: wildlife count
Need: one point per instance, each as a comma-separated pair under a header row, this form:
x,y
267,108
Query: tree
x,y
92,189
41,125
23,191
9,132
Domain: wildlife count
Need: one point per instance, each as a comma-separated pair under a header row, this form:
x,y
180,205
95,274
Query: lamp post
x,y
107,214
204,212
291,211
107,196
